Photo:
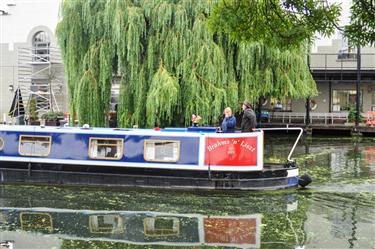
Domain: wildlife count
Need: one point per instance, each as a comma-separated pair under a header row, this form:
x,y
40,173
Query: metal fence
x,y
341,61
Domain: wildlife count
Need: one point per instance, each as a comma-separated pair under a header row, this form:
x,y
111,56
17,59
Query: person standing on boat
x,y
249,120
229,123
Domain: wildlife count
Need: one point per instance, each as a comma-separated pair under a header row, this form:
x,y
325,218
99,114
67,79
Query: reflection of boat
x,y
136,227
194,158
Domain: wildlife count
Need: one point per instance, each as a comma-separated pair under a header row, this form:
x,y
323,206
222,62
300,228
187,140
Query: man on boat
x,y
229,123
249,120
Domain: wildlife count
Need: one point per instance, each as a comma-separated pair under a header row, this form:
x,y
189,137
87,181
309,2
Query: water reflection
x,y
152,228
83,228
337,211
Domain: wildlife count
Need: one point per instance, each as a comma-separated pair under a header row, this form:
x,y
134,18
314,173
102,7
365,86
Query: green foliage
x,y
52,116
201,72
353,114
361,29
266,71
162,99
33,115
281,23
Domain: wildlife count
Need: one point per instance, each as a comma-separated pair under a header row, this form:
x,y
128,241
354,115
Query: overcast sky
x,y
344,19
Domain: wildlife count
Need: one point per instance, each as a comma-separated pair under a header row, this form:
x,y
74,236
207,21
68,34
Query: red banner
x,y
230,231
236,151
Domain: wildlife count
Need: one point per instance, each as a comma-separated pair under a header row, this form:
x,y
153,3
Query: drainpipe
x,y
358,91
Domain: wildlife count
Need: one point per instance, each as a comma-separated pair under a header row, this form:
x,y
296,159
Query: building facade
x,y
29,56
334,69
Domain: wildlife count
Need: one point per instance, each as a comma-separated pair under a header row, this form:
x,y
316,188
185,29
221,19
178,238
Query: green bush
x,y
33,115
352,114
52,116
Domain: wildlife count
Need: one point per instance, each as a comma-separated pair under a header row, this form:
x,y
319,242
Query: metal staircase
x,y
41,76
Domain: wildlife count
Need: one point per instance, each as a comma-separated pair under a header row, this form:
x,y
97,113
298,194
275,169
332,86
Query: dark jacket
x,y
249,121
228,124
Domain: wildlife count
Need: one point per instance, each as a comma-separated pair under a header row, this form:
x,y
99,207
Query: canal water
x,y
336,211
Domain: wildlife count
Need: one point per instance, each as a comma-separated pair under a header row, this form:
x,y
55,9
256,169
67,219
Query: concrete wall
x,y
8,76
25,19
322,100
25,16
327,56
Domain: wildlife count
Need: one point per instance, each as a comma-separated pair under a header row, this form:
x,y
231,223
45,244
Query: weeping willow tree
x,y
168,64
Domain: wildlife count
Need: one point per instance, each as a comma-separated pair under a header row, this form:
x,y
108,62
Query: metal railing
x,y
341,61
289,158
297,117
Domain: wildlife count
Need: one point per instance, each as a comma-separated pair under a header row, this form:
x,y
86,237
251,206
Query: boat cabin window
x,y
34,145
162,150
161,226
107,223
106,148
1,143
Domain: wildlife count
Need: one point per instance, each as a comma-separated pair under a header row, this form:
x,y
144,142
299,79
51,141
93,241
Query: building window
x,y
161,226
34,145
41,47
342,100
161,150
1,143
106,148
106,224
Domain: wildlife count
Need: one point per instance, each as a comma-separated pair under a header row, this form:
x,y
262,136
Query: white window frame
x,y
150,230
146,148
120,150
2,143
118,226
34,153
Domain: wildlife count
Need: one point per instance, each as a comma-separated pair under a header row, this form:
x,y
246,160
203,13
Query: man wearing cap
x,y
249,120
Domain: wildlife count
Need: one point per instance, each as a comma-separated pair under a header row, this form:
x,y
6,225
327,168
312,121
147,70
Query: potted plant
x,y
52,118
352,113
33,115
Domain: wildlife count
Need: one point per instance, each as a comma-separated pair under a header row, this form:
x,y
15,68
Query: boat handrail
x,y
287,129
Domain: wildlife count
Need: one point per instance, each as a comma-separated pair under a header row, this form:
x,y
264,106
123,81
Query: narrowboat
x,y
177,158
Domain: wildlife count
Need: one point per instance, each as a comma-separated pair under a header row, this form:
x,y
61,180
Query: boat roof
x,y
189,131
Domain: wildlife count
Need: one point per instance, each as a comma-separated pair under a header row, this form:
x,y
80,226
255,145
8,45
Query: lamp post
x,y
308,99
358,91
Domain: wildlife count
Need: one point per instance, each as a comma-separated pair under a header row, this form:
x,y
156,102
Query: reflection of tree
x,y
83,244
354,158
346,220
354,227
285,228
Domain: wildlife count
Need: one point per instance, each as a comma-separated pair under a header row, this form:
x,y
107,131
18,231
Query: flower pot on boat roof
x,y
52,118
